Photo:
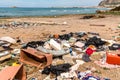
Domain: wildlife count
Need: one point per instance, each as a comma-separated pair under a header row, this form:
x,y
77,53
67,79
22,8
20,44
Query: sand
x,y
66,24
73,24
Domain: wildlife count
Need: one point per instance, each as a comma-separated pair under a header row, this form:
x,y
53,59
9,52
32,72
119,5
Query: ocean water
x,y
21,12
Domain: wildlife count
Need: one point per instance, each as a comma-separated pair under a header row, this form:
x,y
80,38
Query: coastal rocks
x,y
100,11
93,16
116,9
109,3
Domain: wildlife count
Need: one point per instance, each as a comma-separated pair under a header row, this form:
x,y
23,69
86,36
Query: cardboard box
x,y
35,58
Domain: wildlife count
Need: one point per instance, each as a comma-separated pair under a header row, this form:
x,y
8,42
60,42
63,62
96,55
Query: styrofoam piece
x,y
79,44
74,53
76,66
47,45
16,51
65,44
55,44
8,39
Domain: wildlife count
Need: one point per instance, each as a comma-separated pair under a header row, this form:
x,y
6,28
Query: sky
x,y
48,3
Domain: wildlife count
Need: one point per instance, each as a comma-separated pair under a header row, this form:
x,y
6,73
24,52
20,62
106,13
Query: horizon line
x,y
50,7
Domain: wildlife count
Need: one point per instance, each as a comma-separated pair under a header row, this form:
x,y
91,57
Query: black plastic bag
x,y
95,41
66,36
114,47
57,70
34,44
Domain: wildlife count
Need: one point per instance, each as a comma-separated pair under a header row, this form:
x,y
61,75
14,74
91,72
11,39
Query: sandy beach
x,y
107,28
55,25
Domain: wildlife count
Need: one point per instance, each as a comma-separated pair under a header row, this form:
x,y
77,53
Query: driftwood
x,y
97,25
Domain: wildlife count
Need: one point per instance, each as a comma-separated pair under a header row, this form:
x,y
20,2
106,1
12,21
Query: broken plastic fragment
x,y
8,39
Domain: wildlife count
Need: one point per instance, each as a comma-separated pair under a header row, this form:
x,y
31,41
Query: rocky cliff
x,y
110,3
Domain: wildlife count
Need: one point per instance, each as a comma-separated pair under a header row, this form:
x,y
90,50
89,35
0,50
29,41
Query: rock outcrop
x,y
109,3
116,9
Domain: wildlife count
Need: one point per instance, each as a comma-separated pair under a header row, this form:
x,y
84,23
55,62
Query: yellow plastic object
x,y
15,64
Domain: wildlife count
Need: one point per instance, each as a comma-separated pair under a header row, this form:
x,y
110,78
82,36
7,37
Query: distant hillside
x,y
109,3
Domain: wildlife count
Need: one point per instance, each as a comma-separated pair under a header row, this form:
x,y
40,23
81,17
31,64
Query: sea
x,y
26,12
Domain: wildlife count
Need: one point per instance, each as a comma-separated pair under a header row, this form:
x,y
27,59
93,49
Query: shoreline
x,y
52,12
57,16
52,16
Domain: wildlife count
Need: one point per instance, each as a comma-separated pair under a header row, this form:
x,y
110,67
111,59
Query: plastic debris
x,y
68,59
89,51
86,58
8,39
57,70
114,47
4,53
95,41
16,51
117,38
112,58
79,44
3,58
53,52
15,64
76,66
34,44
106,65
68,75
55,45
65,50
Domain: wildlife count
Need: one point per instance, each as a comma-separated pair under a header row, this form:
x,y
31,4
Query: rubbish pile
x,y
73,49
5,43
18,24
